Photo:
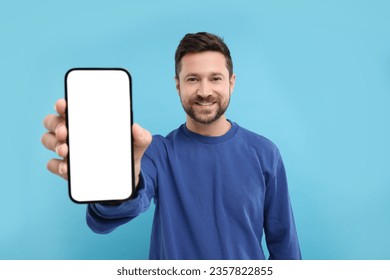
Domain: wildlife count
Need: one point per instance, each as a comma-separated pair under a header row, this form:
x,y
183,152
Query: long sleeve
x,y
213,196
279,225
104,218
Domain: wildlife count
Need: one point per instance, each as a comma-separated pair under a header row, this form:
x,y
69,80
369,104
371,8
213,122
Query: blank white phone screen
x,y
99,134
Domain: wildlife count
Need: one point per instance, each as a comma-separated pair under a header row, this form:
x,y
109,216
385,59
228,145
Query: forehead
x,y
203,63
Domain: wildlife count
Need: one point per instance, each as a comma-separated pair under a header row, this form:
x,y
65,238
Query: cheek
x,y
224,91
184,96
187,91
222,87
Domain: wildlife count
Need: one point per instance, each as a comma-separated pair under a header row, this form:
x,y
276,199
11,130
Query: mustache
x,y
200,99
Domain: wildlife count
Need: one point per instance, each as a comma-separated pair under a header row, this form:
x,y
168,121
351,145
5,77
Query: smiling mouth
x,y
204,103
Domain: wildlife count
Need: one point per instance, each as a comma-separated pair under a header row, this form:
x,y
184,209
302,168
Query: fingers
x,y
56,125
60,107
55,143
55,139
62,150
52,121
58,167
50,141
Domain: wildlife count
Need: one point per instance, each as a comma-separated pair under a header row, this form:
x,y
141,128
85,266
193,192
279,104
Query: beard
x,y
205,114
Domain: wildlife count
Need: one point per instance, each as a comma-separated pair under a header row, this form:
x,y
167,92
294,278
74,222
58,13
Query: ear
x,y
232,82
177,84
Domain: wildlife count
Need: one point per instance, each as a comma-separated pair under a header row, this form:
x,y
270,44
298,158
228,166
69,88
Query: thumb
x,y
141,141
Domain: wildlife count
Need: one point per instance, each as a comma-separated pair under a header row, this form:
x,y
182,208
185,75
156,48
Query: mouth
x,y
204,103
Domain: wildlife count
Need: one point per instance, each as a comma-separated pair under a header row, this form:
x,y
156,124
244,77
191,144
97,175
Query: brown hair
x,y
201,42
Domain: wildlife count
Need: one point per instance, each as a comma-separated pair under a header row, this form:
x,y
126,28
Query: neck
x,y
216,128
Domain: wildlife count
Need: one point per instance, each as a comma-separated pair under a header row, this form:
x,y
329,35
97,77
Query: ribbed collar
x,y
210,139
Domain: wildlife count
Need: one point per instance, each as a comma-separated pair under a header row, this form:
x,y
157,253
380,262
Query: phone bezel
x,y
131,138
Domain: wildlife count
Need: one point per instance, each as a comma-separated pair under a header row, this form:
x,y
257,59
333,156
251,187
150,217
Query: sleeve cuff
x,y
129,208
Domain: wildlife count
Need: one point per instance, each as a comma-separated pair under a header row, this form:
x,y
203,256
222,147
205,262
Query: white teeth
x,y
204,103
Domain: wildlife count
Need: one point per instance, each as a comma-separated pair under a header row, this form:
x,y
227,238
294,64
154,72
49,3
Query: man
x,y
216,185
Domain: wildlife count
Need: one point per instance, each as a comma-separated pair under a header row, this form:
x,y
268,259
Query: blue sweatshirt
x,y
214,197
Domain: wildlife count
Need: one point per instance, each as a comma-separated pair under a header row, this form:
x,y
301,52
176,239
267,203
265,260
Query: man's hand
x,y
55,140
141,141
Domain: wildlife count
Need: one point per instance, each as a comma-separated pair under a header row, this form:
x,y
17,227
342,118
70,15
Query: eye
x,y
216,78
192,79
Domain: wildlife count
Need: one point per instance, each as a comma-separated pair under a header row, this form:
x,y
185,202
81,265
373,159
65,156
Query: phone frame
x,y
133,189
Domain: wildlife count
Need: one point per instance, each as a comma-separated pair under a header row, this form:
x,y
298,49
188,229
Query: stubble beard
x,y
205,115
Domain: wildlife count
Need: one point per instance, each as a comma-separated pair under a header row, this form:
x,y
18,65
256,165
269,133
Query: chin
x,y
206,120
205,116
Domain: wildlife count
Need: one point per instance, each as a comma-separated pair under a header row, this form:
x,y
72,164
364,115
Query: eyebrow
x,y
197,75
216,74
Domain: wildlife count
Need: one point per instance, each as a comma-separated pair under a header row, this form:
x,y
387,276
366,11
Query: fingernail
x,y
57,128
58,148
61,168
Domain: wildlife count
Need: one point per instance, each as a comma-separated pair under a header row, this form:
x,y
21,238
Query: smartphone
x,y
99,121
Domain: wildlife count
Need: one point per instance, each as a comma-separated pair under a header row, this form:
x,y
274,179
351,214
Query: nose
x,y
204,89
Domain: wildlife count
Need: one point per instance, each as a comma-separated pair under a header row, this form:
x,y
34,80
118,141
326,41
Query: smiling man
x,y
216,186
205,86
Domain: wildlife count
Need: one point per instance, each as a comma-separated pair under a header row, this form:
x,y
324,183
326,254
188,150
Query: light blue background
x,y
313,76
